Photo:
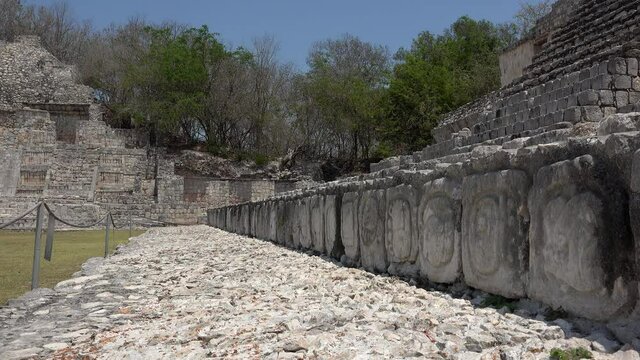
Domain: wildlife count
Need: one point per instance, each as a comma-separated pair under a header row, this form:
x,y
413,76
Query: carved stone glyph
x,y
331,243
316,212
401,230
494,239
572,261
371,232
349,227
439,231
304,223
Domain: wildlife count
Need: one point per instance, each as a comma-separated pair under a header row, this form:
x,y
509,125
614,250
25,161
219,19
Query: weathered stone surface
x,y
573,221
371,231
401,230
316,208
619,123
332,243
198,292
494,238
439,231
349,227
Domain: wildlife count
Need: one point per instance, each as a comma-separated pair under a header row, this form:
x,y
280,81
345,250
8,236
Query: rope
x,y
85,226
72,224
2,226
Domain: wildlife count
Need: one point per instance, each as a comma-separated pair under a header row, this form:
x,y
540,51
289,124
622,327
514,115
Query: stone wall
x,y
515,60
30,74
551,222
531,191
54,145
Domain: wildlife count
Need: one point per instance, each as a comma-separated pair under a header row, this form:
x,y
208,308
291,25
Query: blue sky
x,y
297,24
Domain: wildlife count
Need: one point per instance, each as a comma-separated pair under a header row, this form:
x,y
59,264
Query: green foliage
x,y
260,159
498,302
437,75
172,77
570,354
344,88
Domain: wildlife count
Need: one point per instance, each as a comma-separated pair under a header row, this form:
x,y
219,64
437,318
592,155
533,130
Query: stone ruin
x,y
54,145
531,191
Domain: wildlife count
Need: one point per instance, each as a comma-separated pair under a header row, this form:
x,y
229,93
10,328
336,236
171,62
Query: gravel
x,y
198,292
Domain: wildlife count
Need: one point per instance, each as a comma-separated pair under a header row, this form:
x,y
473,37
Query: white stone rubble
x,y
198,292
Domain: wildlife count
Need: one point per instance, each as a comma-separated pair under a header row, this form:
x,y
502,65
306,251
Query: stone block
x,y
349,228
606,97
632,66
439,231
401,230
316,211
332,244
588,97
572,115
619,123
273,230
494,238
592,113
622,82
622,98
579,258
635,83
618,66
371,231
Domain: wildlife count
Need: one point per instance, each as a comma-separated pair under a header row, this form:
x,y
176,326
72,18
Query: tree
x,y
171,81
10,25
343,90
437,75
529,14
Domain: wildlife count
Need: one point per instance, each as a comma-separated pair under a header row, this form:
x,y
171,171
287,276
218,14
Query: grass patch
x,y
570,354
498,302
70,250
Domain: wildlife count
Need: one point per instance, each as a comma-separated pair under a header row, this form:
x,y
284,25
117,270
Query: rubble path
x,y
198,292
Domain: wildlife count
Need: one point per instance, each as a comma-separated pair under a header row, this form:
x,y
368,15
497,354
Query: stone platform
x,y
198,292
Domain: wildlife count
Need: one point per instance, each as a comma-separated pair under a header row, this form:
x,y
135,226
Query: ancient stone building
x,y
532,191
55,146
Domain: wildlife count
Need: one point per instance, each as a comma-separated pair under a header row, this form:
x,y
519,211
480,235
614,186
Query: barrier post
x,y
106,235
130,224
48,245
35,272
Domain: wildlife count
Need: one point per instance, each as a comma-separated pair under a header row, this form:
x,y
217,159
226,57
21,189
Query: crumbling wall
x,y
551,222
30,74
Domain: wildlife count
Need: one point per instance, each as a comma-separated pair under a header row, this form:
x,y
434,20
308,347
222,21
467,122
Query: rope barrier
x,y
19,217
71,224
107,220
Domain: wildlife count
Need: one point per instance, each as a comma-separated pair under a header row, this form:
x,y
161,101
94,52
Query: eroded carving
x,y
494,241
316,209
349,227
400,241
332,247
439,231
568,235
372,231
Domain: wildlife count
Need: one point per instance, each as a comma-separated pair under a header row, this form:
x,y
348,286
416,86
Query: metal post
x,y
48,245
106,235
130,224
35,272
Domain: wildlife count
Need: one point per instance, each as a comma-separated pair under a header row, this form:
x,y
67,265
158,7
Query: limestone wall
x,y
554,222
515,60
54,145
30,74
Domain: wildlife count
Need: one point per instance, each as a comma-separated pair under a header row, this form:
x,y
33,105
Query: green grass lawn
x,y
70,250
